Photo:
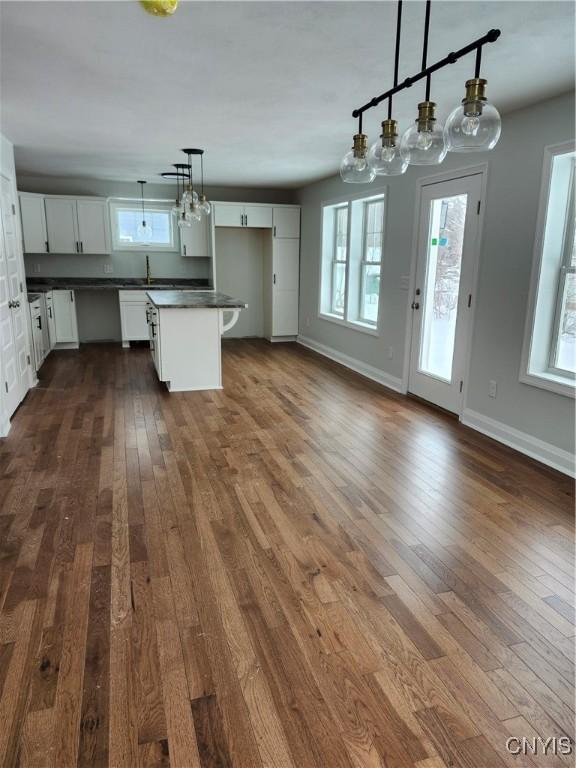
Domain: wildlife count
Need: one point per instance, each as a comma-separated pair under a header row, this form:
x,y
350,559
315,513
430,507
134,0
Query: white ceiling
x,y
104,90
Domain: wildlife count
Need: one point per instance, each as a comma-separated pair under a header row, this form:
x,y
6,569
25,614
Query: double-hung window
x,y
352,253
371,260
549,356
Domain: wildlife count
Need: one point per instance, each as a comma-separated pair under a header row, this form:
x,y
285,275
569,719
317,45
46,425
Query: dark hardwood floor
x,y
301,570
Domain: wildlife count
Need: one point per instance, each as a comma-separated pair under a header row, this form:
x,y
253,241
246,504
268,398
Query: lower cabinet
x,y
133,316
153,320
65,322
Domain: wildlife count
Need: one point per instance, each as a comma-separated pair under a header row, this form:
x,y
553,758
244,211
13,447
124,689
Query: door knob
x,y
415,305
10,304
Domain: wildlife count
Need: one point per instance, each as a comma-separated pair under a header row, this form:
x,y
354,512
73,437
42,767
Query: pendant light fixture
x,y
423,143
384,157
189,207
473,126
144,230
354,168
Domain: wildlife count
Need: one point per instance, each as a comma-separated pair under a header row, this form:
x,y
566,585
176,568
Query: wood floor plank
x,y
300,570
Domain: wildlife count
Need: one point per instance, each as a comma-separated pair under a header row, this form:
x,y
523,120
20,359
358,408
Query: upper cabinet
x,y
33,216
286,222
93,225
61,224
195,240
57,224
241,215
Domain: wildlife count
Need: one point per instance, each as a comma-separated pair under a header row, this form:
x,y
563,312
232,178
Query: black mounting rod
x,y
396,53
452,58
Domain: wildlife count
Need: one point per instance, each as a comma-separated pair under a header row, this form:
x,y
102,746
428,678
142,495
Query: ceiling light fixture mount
x,y
474,126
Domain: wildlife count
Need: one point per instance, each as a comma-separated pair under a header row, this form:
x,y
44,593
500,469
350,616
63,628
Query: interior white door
x,y
33,219
13,305
61,224
286,222
447,252
258,216
228,215
93,226
285,277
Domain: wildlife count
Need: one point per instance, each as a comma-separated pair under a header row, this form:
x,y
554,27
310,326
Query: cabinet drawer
x,y
135,296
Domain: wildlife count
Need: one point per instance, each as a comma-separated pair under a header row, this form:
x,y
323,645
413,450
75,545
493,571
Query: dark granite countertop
x,y
43,284
194,300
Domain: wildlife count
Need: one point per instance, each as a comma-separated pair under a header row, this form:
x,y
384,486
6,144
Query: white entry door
x,y
447,247
13,306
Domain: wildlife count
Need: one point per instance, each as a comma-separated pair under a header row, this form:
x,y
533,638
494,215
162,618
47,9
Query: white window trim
x,y
355,325
548,380
151,205
364,263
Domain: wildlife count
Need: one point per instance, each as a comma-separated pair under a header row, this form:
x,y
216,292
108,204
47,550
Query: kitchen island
x,y
185,329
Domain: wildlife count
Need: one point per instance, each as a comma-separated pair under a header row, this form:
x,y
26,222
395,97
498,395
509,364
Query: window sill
x,y
561,385
371,330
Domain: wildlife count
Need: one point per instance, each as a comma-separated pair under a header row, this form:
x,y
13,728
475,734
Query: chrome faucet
x,y
148,275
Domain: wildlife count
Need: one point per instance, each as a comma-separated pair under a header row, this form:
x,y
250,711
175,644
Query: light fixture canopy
x,y
423,143
475,125
384,156
354,168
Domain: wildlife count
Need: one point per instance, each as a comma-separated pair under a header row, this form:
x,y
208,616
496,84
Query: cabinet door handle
x,y
50,312
274,230
274,278
39,321
81,247
184,249
72,297
47,247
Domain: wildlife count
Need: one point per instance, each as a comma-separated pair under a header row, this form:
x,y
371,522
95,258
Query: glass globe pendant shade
x,y
354,168
475,125
144,232
423,143
384,156
205,206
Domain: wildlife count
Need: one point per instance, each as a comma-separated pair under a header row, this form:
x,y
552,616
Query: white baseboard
x,y
369,371
4,427
537,449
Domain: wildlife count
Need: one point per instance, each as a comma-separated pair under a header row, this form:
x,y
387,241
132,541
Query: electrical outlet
x,y
390,353
492,388
108,269
37,268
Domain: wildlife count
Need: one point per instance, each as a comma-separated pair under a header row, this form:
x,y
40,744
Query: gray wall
x,y
514,176
129,264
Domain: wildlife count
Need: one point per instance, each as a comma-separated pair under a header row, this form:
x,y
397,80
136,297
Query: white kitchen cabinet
x,y
33,217
50,322
285,282
258,216
195,240
40,343
133,317
242,215
93,226
61,224
65,323
286,222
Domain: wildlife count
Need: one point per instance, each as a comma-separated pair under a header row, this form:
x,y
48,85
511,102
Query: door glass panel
x,y
442,285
